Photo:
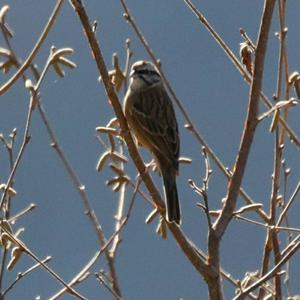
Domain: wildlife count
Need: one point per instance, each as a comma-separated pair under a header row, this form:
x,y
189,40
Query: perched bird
x,y
151,117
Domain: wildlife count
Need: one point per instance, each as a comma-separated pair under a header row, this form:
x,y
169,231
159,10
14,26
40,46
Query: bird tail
x,y
172,203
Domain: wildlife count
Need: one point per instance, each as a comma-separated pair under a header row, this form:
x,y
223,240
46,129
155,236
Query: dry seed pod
x,y
293,77
16,253
11,191
102,160
184,160
294,80
117,78
57,59
107,130
5,241
4,25
66,62
113,122
275,120
116,75
246,56
3,13
6,226
151,216
58,70
250,207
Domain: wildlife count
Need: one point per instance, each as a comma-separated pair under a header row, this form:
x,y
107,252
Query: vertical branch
x,y
283,62
120,208
109,89
273,206
184,243
292,135
272,235
26,139
190,124
35,102
7,207
248,135
122,191
265,262
278,148
272,238
251,123
82,191
278,139
292,248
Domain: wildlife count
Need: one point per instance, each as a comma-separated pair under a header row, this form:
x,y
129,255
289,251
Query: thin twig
x,y
79,187
265,262
239,67
288,204
94,259
34,98
4,88
273,205
277,157
121,220
29,208
190,124
225,217
9,145
271,273
120,208
26,139
251,122
286,173
103,281
284,59
23,274
187,247
86,268
205,186
56,146
127,64
24,248
247,39
264,225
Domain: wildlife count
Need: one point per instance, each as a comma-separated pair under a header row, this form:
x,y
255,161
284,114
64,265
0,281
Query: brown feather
x,y
151,116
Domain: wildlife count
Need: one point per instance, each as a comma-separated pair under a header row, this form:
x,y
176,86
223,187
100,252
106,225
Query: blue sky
x,y
213,93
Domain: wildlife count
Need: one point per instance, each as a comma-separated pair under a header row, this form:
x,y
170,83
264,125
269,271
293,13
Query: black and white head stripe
x,y
146,71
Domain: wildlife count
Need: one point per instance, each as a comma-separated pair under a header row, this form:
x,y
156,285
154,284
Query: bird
x,y
151,118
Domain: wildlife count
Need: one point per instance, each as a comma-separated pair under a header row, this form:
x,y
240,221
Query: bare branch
x,y
23,274
225,217
271,273
190,126
24,248
292,135
288,205
4,88
188,248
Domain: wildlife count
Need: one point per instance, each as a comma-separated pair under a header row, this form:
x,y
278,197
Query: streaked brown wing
x,y
156,125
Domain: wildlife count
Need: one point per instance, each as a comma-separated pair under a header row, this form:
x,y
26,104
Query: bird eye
x,y
148,72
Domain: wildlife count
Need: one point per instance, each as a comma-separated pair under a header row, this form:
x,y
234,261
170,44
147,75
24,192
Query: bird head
x,y
144,74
